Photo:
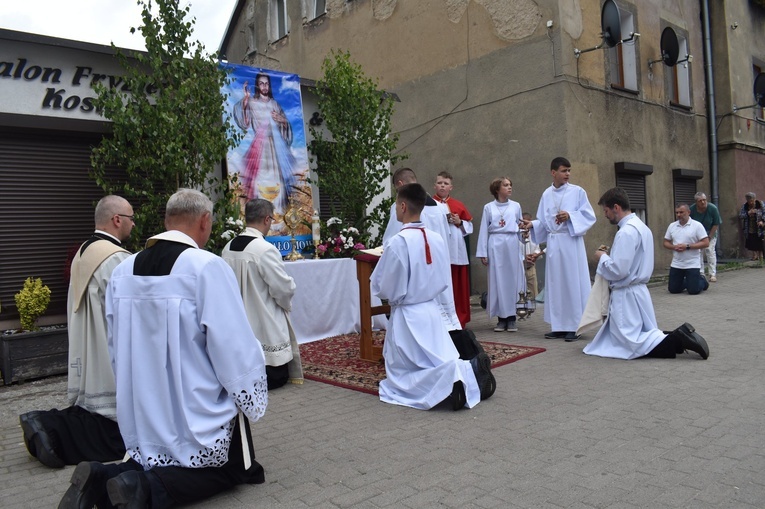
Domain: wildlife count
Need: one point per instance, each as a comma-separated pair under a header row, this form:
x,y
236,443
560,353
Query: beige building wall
x,y
488,90
738,30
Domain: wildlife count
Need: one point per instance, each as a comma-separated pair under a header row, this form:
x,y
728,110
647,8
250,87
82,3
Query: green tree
x,y
352,163
169,127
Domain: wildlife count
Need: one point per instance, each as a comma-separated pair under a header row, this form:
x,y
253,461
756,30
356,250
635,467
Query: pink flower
x,y
358,246
321,248
336,249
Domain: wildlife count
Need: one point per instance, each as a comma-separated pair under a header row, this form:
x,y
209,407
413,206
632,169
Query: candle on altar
x,y
315,227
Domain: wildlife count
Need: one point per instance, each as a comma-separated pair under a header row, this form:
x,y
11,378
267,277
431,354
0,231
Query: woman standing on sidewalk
x,y
500,249
752,225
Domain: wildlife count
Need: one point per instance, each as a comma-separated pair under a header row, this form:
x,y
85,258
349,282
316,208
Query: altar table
x,y
326,300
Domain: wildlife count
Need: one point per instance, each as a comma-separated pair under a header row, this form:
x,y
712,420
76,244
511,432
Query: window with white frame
x,y
758,110
623,57
680,81
252,39
316,8
280,22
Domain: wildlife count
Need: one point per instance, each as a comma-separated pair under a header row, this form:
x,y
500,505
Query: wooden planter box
x,y
29,355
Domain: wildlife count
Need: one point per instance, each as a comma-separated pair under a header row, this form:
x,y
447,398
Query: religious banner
x,y
271,160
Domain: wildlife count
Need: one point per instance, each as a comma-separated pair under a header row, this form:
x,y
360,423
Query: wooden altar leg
x,y
367,351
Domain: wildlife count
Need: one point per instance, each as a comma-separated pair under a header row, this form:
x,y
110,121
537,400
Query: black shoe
x,y
129,490
555,335
501,325
487,384
88,487
691,340
39,443
571,336
28,432
459,400
511,325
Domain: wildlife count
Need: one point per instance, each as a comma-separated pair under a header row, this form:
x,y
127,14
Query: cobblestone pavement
x,y
563,429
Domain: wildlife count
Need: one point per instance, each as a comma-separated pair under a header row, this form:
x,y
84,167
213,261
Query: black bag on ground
x,y
466,343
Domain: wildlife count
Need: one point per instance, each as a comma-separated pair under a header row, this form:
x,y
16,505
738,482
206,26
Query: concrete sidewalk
x,y
563,429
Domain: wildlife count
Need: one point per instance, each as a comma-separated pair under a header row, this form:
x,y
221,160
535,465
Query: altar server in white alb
x,y
630,331
434,217
267,292
87,429
563,217
500,249
422,365
186,362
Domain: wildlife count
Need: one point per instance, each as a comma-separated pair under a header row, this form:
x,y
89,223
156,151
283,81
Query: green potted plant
x,y
32,301
30,351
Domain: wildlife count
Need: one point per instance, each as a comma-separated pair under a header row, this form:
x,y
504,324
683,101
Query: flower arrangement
x,y
341,241
223,231
233,228
32,301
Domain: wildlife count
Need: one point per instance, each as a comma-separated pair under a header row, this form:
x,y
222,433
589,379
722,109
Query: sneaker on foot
x,y
501,325
571,336
511,326
713,279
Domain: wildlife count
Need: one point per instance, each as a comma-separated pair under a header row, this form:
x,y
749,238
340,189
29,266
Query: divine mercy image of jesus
x,y
271,160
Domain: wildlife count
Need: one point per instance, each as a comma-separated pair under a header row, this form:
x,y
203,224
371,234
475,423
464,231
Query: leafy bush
x,y
32,301
354,161
170,129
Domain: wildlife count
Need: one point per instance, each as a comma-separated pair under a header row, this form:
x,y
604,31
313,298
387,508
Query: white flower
x,y
334,220
239,223
353,230
227,235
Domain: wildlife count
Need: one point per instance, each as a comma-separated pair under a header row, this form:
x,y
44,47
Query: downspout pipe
x,y
714,177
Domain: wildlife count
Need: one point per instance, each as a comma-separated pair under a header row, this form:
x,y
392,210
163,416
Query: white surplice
x,y
567,276
630,331
267,292
499,242
185,358
433,217
90,381
421,361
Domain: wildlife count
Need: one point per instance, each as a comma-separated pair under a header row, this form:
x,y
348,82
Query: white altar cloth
x,y
326,300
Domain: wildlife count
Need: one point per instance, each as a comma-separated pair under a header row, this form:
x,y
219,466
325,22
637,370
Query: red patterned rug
x,y
336,361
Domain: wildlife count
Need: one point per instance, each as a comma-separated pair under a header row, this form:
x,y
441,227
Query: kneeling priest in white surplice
x,y
267,292
630,331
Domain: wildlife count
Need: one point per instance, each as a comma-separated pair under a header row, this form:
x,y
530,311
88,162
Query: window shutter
x,y
683,190
634,185
47,200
